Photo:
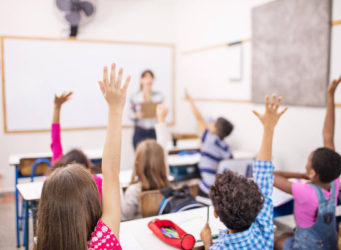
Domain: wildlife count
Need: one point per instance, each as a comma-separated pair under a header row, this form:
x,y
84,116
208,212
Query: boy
x,y
213,149
245,206
315,201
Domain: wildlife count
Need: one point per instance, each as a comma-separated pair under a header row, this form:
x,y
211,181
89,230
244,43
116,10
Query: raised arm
x,y
56,144
196,112
329,121
263,167
116,98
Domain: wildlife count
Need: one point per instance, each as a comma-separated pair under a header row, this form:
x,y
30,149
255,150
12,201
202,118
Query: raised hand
x,y
271,116
161,112
114,94
64,97
332,87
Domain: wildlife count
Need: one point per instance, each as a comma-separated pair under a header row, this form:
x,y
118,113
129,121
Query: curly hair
x,y
236,199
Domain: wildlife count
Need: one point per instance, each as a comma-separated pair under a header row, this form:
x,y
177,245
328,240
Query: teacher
x,y
144,127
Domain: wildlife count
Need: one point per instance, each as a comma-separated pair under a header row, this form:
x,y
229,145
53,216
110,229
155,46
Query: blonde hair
x,y
150,168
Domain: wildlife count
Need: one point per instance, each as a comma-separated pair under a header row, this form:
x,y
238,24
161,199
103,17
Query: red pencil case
x,y
185,240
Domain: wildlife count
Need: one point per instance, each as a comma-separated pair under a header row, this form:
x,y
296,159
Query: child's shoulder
x,y
303,191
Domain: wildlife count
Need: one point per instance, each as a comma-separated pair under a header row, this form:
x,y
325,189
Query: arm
x,y
196,112
263,167
56,145
329,121
115,97
162,133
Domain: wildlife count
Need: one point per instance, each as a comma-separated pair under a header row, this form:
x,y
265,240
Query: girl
x,y
69,215
144,127
315,201
73,156
149,174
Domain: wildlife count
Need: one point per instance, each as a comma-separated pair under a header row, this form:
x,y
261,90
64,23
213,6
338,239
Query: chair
x,y
150,201
28,168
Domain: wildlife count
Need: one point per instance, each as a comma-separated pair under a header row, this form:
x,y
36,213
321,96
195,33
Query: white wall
x,y
133,20
203,23
190,24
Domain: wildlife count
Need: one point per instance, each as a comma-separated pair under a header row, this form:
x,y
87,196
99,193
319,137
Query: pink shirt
x,y
57,152
102,238
306,203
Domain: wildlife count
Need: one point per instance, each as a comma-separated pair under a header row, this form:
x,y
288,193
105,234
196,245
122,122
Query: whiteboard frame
x,y
2,38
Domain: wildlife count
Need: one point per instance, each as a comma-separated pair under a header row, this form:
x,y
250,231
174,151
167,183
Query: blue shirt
x,y
213,150
260,235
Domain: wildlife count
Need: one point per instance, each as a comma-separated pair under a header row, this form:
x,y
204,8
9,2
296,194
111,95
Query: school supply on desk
x,y
170,233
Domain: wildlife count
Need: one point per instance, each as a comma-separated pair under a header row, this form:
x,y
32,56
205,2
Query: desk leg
x,y
17,206
26,230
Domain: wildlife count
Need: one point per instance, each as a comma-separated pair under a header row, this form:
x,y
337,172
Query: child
x,y
245,208
70,214
73,156
315,201
213,149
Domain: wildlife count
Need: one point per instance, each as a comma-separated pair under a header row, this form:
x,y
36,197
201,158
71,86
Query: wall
x,y
203,23
133,20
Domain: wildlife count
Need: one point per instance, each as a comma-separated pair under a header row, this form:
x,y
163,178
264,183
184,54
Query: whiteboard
x,y
35,69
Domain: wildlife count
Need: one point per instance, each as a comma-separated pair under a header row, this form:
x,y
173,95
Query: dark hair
x,y
69,209
147,71
236,199
73,156
327,164
223,127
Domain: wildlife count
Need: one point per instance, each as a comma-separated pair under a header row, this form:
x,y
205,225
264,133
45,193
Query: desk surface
x,y
191,221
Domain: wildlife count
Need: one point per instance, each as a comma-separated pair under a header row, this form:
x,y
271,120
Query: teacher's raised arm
x,y
143,108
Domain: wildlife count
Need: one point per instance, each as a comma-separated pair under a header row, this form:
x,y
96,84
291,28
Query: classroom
x,y
170,124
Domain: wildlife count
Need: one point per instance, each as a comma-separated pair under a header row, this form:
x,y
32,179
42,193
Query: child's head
x,y
324,165
69,209
73,156
236,200
147,79
150,168
222,128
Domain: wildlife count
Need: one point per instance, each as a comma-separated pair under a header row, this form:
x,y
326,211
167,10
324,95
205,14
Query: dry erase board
x,y
34,69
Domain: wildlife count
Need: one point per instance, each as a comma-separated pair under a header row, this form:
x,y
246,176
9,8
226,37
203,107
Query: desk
x,y
14,160
184,145
191,221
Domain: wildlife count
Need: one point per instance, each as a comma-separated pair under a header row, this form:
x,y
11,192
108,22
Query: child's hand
x,y
332,87
270,118
64,97
111,88
206,235
161,112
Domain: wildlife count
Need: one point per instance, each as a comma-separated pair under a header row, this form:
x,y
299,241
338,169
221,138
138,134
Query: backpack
x,y
177,200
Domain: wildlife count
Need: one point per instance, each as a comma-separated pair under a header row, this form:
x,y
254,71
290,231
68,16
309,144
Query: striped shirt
x,y
260,234
213,150
136,105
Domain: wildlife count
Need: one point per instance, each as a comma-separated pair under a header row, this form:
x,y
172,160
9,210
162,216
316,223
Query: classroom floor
x,y
7,223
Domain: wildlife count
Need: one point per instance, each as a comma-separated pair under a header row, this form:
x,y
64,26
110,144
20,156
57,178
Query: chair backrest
x,y
240,166
29,166
150,201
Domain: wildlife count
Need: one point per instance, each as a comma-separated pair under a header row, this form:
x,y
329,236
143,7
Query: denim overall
x,y
323,234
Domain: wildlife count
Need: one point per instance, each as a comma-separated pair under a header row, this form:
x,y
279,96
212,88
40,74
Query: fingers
x,y
113,73
266,101
68,95
102,87
273,100
126,84
256,113
283,111
279,99
105,77
119,79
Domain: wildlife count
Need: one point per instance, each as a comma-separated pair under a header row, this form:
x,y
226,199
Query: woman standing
x,y
144,127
